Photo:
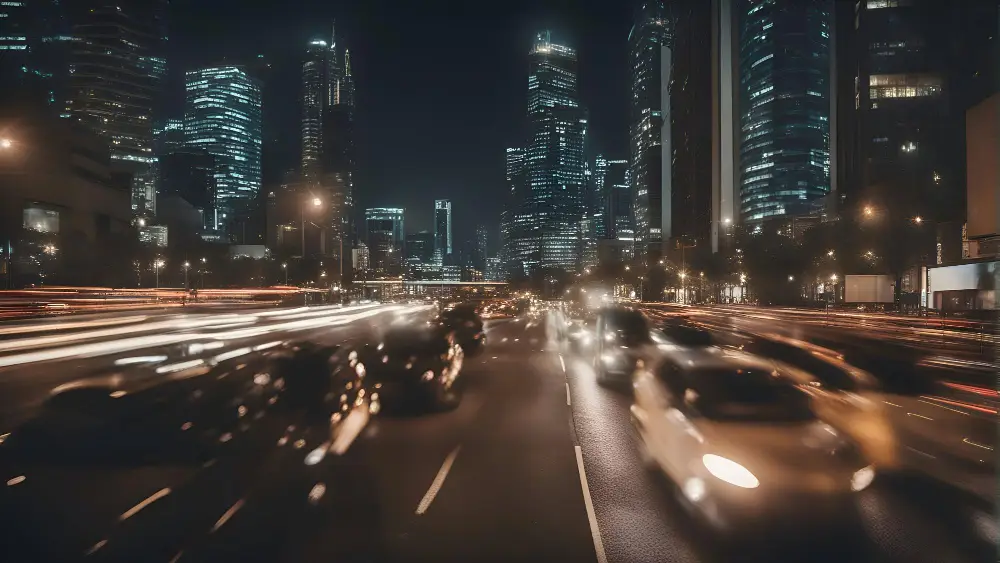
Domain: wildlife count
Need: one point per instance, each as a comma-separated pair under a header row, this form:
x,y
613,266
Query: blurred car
x,y
414,366
683,332
845,396
619,337
742,444
467,326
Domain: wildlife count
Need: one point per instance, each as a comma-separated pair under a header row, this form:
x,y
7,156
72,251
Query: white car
x,y
742,443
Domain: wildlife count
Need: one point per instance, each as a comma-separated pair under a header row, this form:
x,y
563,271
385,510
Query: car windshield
x,y
752,395
631,325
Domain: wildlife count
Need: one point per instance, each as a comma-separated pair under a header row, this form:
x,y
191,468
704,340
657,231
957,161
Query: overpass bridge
x,y
438,289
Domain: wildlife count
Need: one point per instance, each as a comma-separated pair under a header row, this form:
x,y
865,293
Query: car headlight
x,y
729,471
609,358
862,478
609,337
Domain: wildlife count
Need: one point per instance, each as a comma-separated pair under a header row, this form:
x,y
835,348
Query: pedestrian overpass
x,y
437,289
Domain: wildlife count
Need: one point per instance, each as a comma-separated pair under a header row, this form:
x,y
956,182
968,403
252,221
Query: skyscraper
x,y
442,227
599,198
116,74
784,96
482,247
554,206
222,116
725,123
384,235
316,74
649,124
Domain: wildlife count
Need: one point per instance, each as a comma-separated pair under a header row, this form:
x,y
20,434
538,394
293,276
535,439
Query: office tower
x,y
784,96
420,246
914,78
336,180
34,53
555,162
510,225
649,125
116,74
482,247
316,75
190,175
618,192
384,235
691,117
15,27
599,198
442,228
222,116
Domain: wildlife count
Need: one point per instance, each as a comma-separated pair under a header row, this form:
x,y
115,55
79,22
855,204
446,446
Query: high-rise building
x,y
785,100
691,117
482,248
649,124
515,240
442,227
384,235
316,74
190,175
914,73
554,206
599,198
620,223
222,116
725,123
116,72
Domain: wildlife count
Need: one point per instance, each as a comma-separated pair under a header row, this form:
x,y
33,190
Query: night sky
x,y
440,86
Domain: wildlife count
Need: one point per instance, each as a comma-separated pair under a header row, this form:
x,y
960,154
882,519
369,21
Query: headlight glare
x,y
862,478
729,471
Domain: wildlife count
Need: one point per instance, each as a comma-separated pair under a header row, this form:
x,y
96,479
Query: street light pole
x,y
187,266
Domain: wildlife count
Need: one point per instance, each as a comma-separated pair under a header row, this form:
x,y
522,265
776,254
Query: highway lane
x,y
496,479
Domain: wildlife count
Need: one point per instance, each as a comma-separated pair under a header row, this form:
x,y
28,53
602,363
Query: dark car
x,y
619,338
467,325
414,366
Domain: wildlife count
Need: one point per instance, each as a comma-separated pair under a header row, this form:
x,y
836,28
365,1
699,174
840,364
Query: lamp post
x,y
157,264
683,276
315,202
187,266
284,266
201,271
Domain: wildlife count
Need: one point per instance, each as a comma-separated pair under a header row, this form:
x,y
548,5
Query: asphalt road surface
x,y
537,463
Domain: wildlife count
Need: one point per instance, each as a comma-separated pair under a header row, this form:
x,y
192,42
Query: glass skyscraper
x,y
385,237
649,122
784,100
222,116
442,227
116,74
555,161
316,73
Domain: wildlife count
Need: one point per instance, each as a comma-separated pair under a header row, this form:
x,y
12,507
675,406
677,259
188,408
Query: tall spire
x,y
347,62
333,36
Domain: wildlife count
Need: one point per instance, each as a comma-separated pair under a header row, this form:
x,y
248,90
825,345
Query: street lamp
x,y
683,276
830,253
6,143
157,264
869,211
187,266
316,203
284,266
791,278
918,219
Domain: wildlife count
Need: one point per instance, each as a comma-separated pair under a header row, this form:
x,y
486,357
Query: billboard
x,y
868,289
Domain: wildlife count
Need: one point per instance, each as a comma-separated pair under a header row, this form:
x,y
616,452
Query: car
x,y
467,326
742,445
414,366
620,335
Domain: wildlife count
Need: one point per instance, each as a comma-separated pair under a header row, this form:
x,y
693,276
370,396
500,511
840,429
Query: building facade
x,y
785,105
222,116
442,228
385,238
316,74
650,160
553,208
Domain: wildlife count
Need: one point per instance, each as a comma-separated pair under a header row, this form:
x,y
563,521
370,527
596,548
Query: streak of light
x,y
140,360
143,504
438,482
227,515
16,480
70,326
179,366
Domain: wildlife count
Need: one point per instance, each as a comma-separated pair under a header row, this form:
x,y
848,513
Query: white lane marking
x,y
562,363
177,557
229,514
568,401
595,532
16,480
152,498
442,473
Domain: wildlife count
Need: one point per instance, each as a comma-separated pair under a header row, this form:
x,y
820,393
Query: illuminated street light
x,y
203,260
627,268
918,219
141,222
6,143
869,211
683,275
830,253
317,202
791,278
833,278
661,262
727,221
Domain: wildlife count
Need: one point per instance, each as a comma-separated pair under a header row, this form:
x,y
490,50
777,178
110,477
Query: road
x,y
537,463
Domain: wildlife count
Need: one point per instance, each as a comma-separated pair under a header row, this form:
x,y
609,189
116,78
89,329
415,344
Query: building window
x,y
41,220
876,4
903,85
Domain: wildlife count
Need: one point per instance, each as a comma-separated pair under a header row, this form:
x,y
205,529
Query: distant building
x,y
317,70
442,227
156,236
482,248
191,176
493,271
222,116
384,237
